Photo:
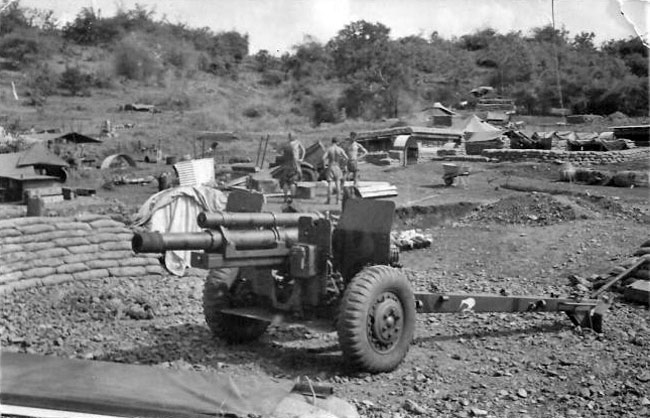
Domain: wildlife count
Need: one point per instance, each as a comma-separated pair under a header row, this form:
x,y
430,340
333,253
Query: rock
x,y
367,404
522,393
478,412
643,376
413,407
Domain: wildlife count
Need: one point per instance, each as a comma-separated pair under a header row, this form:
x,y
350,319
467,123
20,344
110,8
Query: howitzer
x,y
327,273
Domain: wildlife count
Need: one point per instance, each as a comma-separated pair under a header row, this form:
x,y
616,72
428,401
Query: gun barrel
x,y
211,241
251,220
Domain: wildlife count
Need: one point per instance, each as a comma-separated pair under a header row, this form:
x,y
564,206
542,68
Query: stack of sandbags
x,y
38,251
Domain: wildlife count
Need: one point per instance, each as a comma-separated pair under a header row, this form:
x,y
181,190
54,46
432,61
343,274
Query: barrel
x,y
251,220
212,241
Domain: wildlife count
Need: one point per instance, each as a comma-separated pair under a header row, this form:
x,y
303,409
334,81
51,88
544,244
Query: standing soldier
x,y
355,152
333,158
293,152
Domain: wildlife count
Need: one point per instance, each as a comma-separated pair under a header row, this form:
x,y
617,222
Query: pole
x,y
557,60
264,153
259,152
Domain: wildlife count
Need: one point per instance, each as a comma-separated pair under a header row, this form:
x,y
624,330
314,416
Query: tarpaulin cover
x,y
595,142
131,390
175,210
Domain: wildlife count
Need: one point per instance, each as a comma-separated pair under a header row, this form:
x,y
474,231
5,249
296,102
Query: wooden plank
x,y
621,276
45,191
52,199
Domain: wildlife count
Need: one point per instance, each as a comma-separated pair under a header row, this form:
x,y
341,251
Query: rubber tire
x,y
352,324
216,296
448,181
308,174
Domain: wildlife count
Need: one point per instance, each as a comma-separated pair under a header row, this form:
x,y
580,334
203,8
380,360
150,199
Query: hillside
x,y
76,76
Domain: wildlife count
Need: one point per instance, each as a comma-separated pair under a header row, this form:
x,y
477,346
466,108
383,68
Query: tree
x,y
478,40
584,41
12,17
364,56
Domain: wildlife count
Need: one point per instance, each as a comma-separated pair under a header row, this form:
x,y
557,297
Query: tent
x,y
476,124
479,141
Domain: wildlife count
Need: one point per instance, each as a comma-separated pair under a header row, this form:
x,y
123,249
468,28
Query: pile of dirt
x,y
528,209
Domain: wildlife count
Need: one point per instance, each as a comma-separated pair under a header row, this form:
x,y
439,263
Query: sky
x,y
278,25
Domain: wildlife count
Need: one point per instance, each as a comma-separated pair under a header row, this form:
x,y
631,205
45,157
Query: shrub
x,y
175,101
102,79
180,54
272,78
135,61
252,112
324,111
20,47
42,82
75,81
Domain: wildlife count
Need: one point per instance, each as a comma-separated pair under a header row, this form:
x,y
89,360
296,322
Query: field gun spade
x,y
329,274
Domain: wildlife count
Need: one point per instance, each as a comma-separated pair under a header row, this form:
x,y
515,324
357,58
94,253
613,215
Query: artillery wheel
x,y
376,319
226,288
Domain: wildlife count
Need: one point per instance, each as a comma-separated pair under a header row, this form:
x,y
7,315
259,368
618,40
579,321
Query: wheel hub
x,y
386,322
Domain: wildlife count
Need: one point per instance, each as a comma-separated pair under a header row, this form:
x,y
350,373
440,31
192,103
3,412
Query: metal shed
x,y
409,146
117,161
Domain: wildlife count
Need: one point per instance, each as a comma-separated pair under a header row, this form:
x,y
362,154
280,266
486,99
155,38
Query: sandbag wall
x,y
36,251
575,157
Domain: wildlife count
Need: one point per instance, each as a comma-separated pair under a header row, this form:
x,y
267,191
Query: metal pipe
x,y
211,241
251,220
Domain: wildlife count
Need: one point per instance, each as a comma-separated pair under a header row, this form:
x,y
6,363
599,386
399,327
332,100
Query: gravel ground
x,y
499,365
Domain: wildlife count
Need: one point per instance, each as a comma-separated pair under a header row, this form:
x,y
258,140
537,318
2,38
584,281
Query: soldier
x,y
355,152
333,158
293,152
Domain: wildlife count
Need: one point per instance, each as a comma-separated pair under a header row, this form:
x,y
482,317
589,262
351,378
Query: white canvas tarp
x,y
175,210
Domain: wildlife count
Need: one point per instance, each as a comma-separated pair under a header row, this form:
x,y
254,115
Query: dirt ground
x,y
497,365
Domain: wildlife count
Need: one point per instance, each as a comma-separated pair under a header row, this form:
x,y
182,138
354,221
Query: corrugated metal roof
x,y
195,172
9,165
9,169
401,141
74,137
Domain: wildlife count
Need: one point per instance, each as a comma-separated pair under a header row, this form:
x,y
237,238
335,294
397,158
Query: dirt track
x,y
500,365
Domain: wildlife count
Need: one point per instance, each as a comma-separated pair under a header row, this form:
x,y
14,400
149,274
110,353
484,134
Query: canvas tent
x,y
476,142
476,124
